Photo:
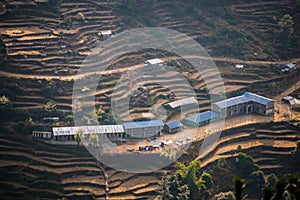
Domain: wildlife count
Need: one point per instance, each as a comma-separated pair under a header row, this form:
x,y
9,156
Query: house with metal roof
x,y
182,102
67,133
143,129
106,33
172,127
154,61
244,104
201,118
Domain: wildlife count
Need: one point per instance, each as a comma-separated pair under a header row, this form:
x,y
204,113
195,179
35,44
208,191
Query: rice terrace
x,y
155,124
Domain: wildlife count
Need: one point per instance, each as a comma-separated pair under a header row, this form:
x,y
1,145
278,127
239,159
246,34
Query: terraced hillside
x,y
55,38
43,44
34,169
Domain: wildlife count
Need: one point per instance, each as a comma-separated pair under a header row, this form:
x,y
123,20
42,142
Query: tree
x,y
259,181
225,196
94,138
221,162
183,193
78,136
286,24
239,187
296,154
50,107
239,149
164,184
271,180
280,187
207,178
268,192
188,183
99,112
246,164
4,101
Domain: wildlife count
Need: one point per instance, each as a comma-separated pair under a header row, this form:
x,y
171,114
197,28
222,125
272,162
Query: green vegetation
x,y
94,138
296,154
287,187
246,164
78,136
239,187
4,101
186,183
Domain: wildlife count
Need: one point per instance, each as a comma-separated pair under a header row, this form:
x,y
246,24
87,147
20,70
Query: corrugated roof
x,y
258,98
182,102
174,124
232,101
143,124
201,117
291,65
247,96
107,32
294,101
154,61
101,129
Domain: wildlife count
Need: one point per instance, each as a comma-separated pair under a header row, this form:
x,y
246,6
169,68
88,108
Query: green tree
x,y
207,178
94,138
78,136
189,175
183,193
268,192
164,189
280,188
221,162
296,154
239,187
272,180
246,164
50,107
4,101
286,24
225,196
99,112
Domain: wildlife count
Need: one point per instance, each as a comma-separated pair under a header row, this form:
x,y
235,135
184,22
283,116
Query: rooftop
x,y
201,117
108,32
246,97
143,124
154,61
101,129
291,65
182,102
174,124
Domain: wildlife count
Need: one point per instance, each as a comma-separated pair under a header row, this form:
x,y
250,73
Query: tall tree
x,y
78,136
239,187
164,184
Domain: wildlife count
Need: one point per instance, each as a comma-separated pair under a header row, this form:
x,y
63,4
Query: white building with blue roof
x,y
244,104
201,118
143,129
172,127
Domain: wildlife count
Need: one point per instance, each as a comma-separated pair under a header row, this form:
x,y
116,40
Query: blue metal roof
x,y
258,98
143,124
246,97
201,117
174,124
232,101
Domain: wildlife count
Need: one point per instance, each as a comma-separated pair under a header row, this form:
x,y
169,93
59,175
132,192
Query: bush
x,y
246,164
296,154
225,196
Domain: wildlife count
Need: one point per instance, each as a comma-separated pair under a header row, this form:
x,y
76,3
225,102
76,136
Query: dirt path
x,y
74,77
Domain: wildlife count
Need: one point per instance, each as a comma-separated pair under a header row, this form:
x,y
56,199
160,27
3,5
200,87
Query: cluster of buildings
x,y
288,67
243,104
292,101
